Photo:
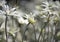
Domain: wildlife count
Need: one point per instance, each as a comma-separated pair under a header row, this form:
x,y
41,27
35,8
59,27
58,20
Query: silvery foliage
x,y
47,10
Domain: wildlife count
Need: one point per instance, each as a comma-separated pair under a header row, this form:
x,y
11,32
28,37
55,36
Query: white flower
x,y
22,21
2,2
2,12
45,4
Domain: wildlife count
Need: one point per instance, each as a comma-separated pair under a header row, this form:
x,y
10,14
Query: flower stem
x,y
34,32
6,28
25,31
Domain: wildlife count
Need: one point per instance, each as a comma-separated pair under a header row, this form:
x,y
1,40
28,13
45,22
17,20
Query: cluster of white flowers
x,y
47,10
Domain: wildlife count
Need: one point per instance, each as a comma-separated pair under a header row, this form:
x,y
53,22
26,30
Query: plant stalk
x,y
6,28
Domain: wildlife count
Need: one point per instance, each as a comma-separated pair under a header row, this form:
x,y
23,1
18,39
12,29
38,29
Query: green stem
x,y
6,28
41,31
44,26
34,32
25,31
